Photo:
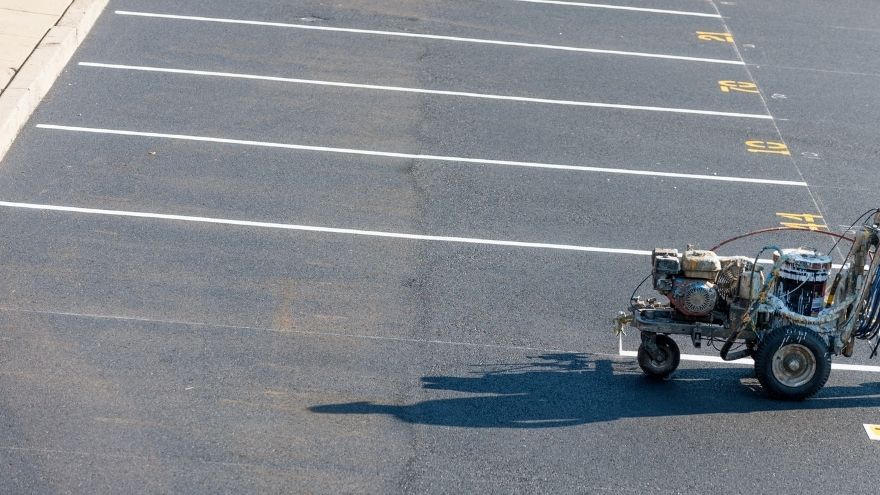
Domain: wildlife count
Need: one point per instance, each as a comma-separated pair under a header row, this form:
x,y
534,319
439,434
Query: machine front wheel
x,y
792,363
662,365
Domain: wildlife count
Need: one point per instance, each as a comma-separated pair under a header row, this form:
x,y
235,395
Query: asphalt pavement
x,y
376,247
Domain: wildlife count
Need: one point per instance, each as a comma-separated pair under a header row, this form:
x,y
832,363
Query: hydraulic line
x,y
869,321
777,229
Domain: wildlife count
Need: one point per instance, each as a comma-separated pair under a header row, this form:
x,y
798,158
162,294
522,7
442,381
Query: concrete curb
x,y
39,72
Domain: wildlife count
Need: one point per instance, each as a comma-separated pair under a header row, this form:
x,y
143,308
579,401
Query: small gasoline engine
x,y
789,314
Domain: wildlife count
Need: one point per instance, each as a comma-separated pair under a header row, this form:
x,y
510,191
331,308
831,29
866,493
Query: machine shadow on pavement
x,y
555,390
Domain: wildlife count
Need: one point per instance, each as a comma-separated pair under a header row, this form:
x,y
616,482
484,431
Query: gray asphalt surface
x,y
162,356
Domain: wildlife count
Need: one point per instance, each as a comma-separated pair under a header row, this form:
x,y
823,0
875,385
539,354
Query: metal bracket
x,y
621,321
649,342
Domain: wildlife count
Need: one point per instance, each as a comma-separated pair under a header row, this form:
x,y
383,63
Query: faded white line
x,y
400,89
432,37
750,362
621,7
312,228
413,156
144,460
297,332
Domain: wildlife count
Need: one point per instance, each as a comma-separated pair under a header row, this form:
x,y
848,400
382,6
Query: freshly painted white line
x,y
426,91
312,228
855,367
621,7
412,156
705,359
432,37
749,361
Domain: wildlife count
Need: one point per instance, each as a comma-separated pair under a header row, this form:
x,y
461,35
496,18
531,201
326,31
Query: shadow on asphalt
x,y
556,390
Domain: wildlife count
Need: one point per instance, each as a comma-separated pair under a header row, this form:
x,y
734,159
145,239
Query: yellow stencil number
x,y
738,87
805,221
772,147
707,36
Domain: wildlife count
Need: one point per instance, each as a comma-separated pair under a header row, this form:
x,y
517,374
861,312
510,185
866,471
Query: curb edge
x,y
34,79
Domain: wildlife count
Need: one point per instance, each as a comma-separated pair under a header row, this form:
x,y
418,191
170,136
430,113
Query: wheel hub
x,y
664,356
793,365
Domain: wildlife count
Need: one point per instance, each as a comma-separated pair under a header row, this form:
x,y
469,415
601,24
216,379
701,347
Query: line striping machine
x,y
790,317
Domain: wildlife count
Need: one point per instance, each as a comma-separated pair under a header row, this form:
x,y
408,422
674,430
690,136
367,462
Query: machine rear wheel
x,y
668,360
792,363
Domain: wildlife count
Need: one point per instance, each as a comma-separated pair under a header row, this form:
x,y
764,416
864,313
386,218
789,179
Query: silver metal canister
x,y
802,280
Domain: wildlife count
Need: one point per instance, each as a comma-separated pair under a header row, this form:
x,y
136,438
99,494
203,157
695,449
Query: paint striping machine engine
x,y
789,316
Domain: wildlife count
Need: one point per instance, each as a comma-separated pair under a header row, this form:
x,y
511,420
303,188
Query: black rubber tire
x,y
804,339
660,369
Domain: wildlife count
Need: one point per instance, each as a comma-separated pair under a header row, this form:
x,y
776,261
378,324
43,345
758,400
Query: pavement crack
x,y
29,12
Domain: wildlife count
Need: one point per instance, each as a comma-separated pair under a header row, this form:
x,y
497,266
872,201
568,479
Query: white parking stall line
x,y
332,230
749,361
621,7
522,99
327,230
431,36
312,228
414,156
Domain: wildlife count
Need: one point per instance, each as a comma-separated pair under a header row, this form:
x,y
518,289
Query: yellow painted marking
x,y
738,87
873,431
772,147
804,226
707,36
805,221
